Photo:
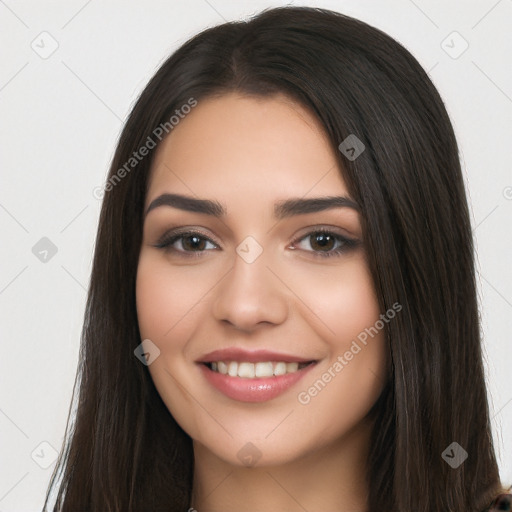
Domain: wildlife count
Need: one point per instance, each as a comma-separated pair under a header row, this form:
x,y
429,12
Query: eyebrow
x,y
282,209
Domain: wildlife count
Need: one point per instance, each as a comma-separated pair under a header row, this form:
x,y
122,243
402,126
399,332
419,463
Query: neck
x,y
331,478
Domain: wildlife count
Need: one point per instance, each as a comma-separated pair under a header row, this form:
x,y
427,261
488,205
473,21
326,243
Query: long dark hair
x,y
124,451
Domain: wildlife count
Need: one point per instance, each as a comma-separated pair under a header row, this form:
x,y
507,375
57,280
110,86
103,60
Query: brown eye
x,y
192,242
323,243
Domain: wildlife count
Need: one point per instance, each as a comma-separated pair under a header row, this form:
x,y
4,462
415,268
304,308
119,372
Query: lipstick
x,y
253,390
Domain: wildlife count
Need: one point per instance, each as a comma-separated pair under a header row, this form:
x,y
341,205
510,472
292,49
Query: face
x,y
279,298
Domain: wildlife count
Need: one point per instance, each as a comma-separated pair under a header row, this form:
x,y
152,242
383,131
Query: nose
x,y
251,295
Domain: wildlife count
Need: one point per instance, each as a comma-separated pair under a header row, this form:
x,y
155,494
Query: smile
x,y
254,382
249,370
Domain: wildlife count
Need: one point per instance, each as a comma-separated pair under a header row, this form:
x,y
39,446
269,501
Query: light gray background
x,y
60,119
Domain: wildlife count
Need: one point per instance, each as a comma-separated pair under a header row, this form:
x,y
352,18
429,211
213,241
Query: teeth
x,y
233,369
292,367
246,370
251,370
263,370
280,369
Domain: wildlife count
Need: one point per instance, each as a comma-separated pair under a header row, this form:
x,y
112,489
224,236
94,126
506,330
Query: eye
x,y
191,242
323,243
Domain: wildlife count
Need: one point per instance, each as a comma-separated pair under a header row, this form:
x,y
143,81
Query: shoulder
x,y
503,503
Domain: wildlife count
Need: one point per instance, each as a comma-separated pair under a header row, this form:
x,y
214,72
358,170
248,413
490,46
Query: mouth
x,y
256,370
261,381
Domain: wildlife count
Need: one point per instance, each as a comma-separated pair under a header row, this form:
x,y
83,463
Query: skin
x,y
247,153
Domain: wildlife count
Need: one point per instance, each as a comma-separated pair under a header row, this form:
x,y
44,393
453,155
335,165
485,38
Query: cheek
x,y
168,313
165,299
355,305
354,373
152,298
342,299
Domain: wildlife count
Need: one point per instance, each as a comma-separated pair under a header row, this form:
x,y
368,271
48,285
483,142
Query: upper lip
x,y
253,356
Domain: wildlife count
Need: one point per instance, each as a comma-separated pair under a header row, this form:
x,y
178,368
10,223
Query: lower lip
x,y
253,390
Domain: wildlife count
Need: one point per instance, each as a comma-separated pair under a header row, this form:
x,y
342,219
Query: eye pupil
x,y
323,240
198,242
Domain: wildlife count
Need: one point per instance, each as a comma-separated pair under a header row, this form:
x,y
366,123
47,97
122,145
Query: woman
x,y
282,312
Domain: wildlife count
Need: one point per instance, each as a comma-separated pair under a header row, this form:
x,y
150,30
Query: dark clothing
x,y
503,503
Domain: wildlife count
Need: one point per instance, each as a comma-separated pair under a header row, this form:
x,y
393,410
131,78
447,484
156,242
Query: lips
x,y
256,356
254,389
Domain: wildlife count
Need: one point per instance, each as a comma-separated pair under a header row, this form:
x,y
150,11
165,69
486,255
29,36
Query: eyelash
x,y
170,238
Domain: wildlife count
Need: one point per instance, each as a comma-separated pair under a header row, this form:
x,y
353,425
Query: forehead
x,y
235,148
